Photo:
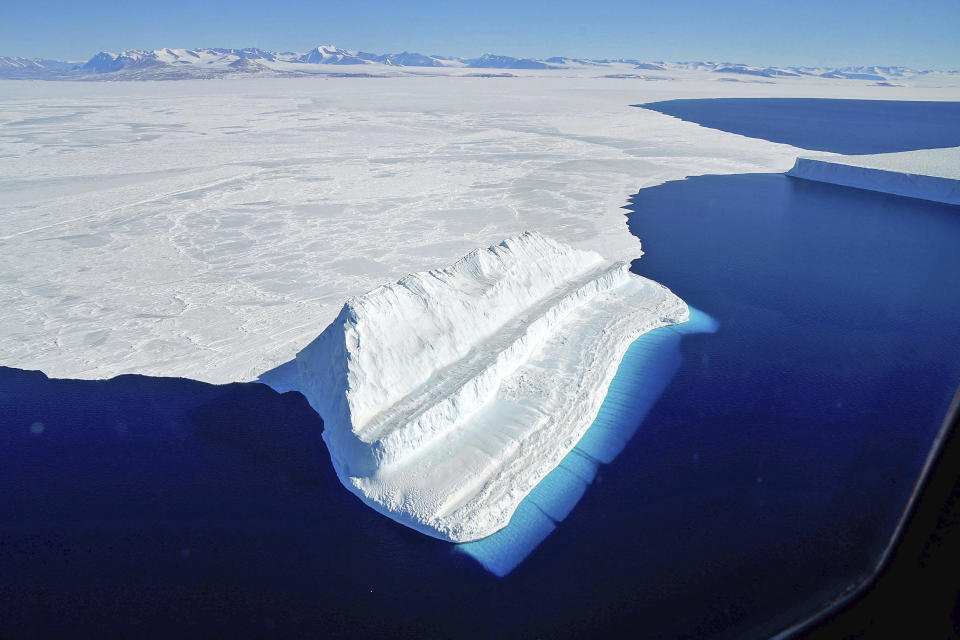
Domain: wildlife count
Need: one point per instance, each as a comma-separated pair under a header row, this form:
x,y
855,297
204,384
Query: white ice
x,y
206,229
644,373
928,174
448,396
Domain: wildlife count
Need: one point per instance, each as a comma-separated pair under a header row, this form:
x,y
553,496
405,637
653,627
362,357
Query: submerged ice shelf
x,y
448,396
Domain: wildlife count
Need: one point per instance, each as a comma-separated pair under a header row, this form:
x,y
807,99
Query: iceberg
x,y
645,372
927,174
449,395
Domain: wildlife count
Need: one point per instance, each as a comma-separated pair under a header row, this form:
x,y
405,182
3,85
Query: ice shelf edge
x,y
899,183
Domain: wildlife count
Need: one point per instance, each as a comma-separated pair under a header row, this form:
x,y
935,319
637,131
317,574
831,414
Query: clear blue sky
x,y
916,33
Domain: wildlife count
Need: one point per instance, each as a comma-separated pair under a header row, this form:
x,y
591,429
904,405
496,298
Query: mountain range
x,y
161,64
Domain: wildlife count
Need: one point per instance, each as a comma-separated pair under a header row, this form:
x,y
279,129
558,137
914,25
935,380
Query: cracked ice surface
x,y
448,396
206,229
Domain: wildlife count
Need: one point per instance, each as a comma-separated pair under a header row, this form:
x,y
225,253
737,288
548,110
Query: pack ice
x,y
447,396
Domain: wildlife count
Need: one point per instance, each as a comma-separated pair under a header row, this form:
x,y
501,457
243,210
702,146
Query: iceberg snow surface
x,y
448,396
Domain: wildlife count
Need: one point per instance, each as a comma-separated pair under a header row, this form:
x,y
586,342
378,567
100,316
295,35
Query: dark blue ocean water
x,y
810,412
841,126
765,479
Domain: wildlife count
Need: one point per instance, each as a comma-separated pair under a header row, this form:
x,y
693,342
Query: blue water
x,y
841,126
808,416
159,507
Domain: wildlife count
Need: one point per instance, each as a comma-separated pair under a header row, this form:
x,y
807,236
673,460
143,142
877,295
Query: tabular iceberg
x,y
447,396
928,174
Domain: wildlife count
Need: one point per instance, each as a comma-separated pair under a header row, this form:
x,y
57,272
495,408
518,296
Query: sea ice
x,y
207,229
448,396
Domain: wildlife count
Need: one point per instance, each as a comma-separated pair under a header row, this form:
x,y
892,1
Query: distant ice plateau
x,y
218,62
447,396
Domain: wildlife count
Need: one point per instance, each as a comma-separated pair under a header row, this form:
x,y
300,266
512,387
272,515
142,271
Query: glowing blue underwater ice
x,y
643,375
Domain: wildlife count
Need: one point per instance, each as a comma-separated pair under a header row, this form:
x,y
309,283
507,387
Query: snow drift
x,y
448,395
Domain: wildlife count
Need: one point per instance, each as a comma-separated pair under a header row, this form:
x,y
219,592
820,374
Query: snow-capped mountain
x,y
406,59
33,68
490,61
105,62
847,75
163,64
768,72
325,54
560,60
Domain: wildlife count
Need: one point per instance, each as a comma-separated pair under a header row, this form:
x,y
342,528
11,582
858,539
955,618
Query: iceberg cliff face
x,y
448,395
928,174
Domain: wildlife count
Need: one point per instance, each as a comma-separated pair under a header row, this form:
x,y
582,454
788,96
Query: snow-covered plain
x,y
212,229
449,395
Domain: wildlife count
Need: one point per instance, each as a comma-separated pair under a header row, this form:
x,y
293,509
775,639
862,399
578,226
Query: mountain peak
x,y
172,62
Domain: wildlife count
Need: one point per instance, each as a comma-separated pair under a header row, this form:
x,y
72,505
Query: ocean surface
x,y
840,126
764,480
809,414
